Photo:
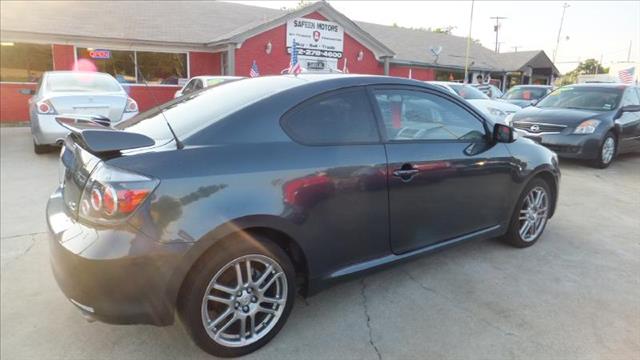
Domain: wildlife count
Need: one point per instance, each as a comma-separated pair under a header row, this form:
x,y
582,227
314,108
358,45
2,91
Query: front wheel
x,y
607,151
531,214
238,297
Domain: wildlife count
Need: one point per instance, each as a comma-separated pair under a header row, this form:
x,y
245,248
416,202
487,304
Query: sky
x,y
591,29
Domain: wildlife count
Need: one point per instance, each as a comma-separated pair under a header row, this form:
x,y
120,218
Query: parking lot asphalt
x,y
574,295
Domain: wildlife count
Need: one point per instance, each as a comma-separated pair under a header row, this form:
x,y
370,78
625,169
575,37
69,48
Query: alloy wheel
x,y
244,300
533,214
608,149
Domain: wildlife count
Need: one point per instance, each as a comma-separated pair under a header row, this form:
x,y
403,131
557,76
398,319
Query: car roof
x,y
604,85
533,86
211,77
76,72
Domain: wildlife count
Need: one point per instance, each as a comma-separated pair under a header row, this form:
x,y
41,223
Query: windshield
x,y
191,113
82,82
525,93
468,92
585,98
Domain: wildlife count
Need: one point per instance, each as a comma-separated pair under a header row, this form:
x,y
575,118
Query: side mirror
x,y
630,108
534,102
27,92
503,134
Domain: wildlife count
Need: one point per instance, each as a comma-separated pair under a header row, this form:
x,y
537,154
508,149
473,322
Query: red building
x,y
169,42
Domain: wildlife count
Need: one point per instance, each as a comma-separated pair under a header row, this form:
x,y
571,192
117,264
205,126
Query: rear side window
x,y
342,117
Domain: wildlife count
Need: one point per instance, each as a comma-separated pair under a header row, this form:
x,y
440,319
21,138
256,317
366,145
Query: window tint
x,y
24,62
197,85
414,115
339,118
81,82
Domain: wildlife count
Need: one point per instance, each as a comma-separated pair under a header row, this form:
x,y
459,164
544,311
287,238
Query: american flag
x,y
294,65
254,72
626,75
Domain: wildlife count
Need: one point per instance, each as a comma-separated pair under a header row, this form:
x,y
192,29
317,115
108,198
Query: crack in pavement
x,y
8,257
461,308
20,235
366,313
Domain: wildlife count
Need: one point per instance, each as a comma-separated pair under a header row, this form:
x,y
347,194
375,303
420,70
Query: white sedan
x,y
200,82
496,110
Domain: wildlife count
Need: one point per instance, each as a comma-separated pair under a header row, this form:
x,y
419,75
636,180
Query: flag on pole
x,y
626,75
410,75
345,70
294,65
254,72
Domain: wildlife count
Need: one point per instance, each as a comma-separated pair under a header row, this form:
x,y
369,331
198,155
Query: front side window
x,y
415,115
525,93
468,92
583,98
630,98
343,117
24,62
119,64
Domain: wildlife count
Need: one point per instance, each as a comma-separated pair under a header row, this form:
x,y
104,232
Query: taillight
x,y
112,194
45,107
132,105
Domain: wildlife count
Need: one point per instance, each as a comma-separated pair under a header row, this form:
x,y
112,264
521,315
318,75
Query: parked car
x,y
490,90
200,82
587,121
496,110
525,95
74,92
220,205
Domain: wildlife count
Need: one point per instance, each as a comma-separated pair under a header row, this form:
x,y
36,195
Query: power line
x,y
555,52
496,28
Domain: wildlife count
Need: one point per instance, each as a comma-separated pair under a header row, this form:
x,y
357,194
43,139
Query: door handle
x,y
406,172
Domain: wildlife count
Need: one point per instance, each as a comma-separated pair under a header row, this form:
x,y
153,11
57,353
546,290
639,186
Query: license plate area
x,y
94,111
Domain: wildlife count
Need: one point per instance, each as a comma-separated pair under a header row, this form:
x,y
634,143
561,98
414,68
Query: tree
x,y
589,66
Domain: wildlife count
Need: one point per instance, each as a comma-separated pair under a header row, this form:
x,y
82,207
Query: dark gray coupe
x,y
224,203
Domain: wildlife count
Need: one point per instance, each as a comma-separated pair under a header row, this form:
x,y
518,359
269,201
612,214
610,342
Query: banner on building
x,y
315,38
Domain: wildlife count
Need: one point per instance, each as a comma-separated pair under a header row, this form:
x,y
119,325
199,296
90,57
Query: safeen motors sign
x,y
315,38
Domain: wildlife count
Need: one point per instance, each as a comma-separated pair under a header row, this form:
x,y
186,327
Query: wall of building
x,y
417,73
273,64
14,106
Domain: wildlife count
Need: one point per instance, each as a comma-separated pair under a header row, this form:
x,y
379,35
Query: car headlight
x,y
496,112
587,127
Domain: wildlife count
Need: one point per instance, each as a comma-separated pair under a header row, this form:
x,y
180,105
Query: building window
x,y
162,68
24,62
154,67
120,64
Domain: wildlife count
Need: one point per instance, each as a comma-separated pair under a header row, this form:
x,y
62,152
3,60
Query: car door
x,y
445,178
629,123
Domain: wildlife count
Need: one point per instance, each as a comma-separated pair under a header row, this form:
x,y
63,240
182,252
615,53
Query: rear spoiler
x,y
99,138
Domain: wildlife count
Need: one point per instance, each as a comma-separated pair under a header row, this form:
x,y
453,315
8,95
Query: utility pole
x,y
466,57
515,48
496,27
555,52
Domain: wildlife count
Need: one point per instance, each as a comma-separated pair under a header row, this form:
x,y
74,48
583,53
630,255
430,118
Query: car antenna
x,y
179,143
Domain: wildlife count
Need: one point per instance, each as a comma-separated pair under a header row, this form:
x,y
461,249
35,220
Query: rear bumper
x,y
571,146
117,276
46,130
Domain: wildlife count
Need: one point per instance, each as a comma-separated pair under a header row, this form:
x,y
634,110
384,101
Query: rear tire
x,y
533,208
212,289
607,151
41,149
